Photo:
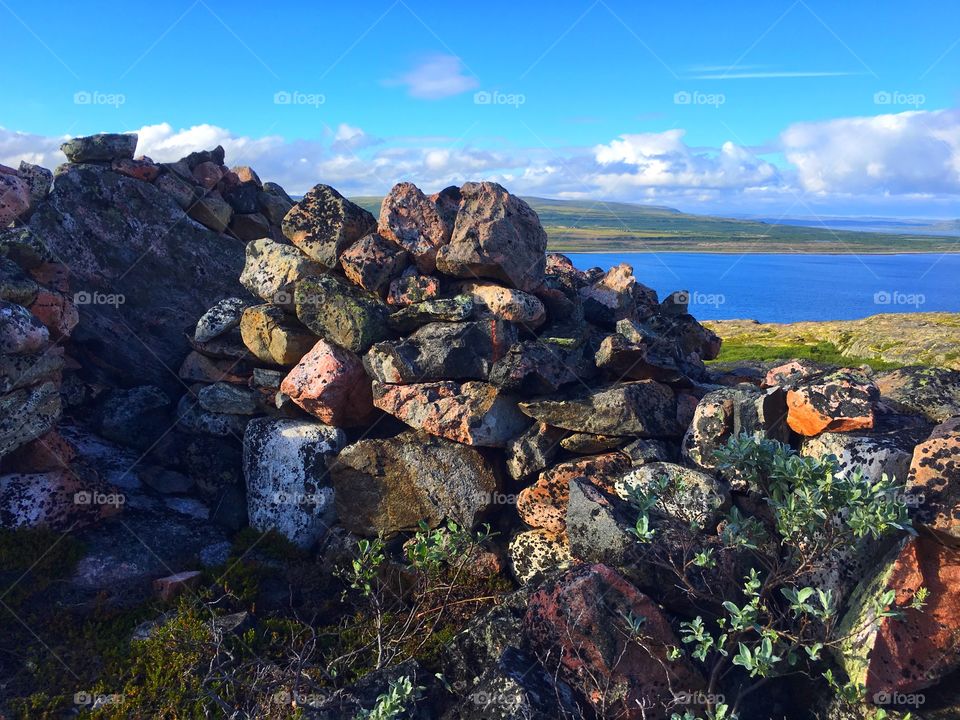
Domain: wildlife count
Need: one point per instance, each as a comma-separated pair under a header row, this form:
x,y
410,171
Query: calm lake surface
x,y
788,288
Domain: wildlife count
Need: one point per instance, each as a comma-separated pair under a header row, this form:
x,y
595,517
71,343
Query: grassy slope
x,y
587,226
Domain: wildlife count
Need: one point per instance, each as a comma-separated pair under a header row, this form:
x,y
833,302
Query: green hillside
x,y
597,226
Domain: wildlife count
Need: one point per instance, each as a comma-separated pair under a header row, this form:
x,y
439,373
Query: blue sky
x,y
793,108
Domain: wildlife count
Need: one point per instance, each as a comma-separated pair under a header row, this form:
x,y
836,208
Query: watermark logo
x,y
295,97
898,698
486,97
694,297
290,498
696,97
897,297
93,497
95,97
98,298
698,697
282,297
95,700
896,97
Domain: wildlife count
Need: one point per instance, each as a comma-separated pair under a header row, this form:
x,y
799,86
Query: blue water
x,y
788,288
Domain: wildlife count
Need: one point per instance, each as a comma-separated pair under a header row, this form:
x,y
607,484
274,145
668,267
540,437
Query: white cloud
x,y
907,153
437,76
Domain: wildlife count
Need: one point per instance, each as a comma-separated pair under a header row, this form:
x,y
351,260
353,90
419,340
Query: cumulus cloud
x,y
884,164
907,153
435,77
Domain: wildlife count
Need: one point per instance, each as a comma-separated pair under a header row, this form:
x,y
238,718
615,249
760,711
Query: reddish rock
x,y
474,413
207,174
56,312
245,174
58,500
835,403
372,262
791,373
917,648
145,170
579,619
412,289
45,453
934,481
544,504
199,368
497,236
562,267
330,384
171,586
414,222
14,198
54,275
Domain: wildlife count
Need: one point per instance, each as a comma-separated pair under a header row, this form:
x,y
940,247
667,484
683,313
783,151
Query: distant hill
x,y
611,227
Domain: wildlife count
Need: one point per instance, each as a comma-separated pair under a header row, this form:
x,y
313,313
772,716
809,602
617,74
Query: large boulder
x,y
271,269
496,235
414,222
874,454
914,648
274,337
934,480
324,224
341,313
385,486
139,268
581,619
288,488
839,402
100,148
474,413
441,351
930,391
644,409
330,384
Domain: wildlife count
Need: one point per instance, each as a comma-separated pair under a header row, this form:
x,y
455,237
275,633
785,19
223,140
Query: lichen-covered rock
x,y
414,222
20,331
229,399
272,269
14,198
273,336
141,169
474,413
534,450
249,226
56,312
372,263
411,289
909,653
544,504
729,412
385,486
536,553
100,148
324,224
875,454
600,532
38,179
934,481
841,402
193,417
213,211
645,409
505,303
19,371
410,317
537,367
26,414
285,464
930,391
441,351
58,500
496,235
221,318
341,313
330,384
691,495
617,295
580,618
588,444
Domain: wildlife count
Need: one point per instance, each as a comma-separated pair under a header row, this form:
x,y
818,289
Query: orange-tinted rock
x,y
580,620
145,170
54,275
474,413
245,173
330,384
413,221
934,480
56,312
835,403
173,585
544,504
372,262
45,453
412,289
916,649
207,174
